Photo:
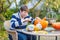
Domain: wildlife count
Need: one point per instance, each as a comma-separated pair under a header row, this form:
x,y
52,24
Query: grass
x,y
3,35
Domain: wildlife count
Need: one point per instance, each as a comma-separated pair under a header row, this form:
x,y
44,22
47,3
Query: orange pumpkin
x,y
43,22
37,20
56,25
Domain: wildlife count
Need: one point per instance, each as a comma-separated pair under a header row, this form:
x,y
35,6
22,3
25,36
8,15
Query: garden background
x,y
36,8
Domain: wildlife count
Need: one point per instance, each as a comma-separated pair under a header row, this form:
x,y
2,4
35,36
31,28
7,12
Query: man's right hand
x,y
27,20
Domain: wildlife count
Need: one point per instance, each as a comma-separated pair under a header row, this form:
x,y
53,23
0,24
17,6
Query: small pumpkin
x,y
37,27
56,25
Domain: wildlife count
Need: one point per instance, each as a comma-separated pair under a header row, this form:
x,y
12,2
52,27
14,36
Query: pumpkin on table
x,y
56,25
43,22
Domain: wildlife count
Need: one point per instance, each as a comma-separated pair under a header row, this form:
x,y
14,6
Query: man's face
x,y
23,13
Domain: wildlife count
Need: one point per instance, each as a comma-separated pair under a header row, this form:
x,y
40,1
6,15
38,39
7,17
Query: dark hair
x,y
24,8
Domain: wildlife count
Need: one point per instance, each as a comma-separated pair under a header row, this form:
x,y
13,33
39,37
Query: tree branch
x,y
35,5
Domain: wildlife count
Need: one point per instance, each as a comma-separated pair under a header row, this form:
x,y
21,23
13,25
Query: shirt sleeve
x,y
16,23
32,20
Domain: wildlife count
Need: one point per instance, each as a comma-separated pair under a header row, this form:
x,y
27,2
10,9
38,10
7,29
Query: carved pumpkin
x,y
56,25
43,22
37,20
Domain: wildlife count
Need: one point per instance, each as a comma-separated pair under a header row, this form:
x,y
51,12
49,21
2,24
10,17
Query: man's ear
x,y
20,10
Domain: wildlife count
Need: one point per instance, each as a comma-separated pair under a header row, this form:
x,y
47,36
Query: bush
x,y
9,13
58,17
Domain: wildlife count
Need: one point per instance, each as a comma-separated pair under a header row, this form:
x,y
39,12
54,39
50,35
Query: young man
x,y
20,20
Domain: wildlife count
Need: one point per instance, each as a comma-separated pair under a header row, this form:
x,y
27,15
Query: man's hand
x,y
27,20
